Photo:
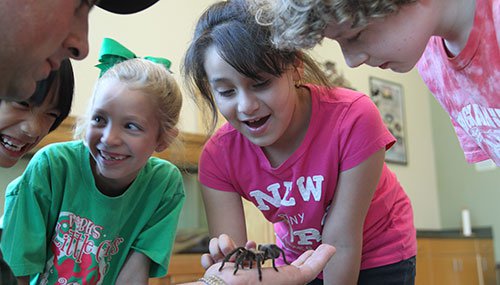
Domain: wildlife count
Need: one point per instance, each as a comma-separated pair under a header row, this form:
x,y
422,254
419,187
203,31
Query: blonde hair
x,y
299,24
151,78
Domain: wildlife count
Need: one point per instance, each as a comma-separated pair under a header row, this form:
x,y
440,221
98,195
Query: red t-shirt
x,y
468,85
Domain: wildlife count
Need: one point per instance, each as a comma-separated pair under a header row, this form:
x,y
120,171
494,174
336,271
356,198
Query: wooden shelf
x,y
184,156
183,268
457,261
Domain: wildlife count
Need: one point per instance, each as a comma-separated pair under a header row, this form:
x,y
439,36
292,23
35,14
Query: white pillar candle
x,y
466,225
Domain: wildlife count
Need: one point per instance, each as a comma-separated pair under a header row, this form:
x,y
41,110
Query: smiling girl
x,y
24,124
101,210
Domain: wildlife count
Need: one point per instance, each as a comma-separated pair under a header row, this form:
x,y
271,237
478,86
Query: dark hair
x,y
242,43
64,82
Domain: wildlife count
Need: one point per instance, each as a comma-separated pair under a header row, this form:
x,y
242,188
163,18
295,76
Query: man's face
x,y
36,35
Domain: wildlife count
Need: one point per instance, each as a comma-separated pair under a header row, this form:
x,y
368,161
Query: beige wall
x,y
419,176
165,30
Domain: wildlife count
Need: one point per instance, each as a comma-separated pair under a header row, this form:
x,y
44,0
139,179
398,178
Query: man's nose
x,y
77,42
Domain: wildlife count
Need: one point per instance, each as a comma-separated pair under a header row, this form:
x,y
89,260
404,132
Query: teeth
x,y
10,145
256,122
253,121
109,157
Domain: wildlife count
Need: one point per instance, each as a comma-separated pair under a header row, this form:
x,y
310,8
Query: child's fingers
x,y
302,258
215,251
206,261
251,244
226,244
220,247
319,257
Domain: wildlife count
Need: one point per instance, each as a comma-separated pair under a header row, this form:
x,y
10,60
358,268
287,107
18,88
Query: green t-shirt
x,y
59,224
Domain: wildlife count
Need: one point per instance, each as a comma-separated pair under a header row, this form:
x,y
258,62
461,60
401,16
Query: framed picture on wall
x,y
388,96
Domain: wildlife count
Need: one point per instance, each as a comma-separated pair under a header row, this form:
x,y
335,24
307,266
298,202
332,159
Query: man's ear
x,y
166,139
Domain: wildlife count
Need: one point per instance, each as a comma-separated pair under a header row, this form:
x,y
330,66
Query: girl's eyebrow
x,y
217,79
135,118
126,118
97,110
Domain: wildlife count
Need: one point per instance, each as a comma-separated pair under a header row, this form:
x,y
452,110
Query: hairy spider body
x,y
259,256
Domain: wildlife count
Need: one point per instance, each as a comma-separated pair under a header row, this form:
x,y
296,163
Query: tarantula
x,y
259,256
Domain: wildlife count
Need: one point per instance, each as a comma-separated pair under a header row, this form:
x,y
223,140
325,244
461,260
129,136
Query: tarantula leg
x,y
240,259
274,265
284,257
222,265
235,269
226,259
259,267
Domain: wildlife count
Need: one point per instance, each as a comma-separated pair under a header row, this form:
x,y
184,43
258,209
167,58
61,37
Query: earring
x,y
298,83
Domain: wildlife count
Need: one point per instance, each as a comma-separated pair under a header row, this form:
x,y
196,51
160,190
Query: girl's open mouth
x,y
11,144
257,123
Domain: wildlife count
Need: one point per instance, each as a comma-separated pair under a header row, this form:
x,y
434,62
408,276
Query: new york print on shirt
x,y
295,230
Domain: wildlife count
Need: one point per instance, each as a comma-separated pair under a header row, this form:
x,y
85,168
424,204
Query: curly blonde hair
x,y
151,78
297,24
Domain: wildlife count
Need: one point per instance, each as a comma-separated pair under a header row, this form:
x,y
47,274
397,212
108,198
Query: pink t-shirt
x,y
468,86
345,129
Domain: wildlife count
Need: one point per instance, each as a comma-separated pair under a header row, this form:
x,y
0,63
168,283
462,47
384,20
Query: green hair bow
x,y
112,52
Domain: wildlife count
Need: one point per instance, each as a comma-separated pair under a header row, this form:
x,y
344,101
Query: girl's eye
x,y
262,83
133,126
226,93
54,114
21,105
96,120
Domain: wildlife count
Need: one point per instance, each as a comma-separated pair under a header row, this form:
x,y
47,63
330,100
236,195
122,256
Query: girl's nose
x,y
247,103
111,136
35,126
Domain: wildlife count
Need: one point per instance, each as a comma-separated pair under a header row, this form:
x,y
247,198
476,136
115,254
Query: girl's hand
x,y
219,248
301,271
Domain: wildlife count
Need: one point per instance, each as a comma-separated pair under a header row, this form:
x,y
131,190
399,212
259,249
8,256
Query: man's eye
x,y
91,3
355,38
